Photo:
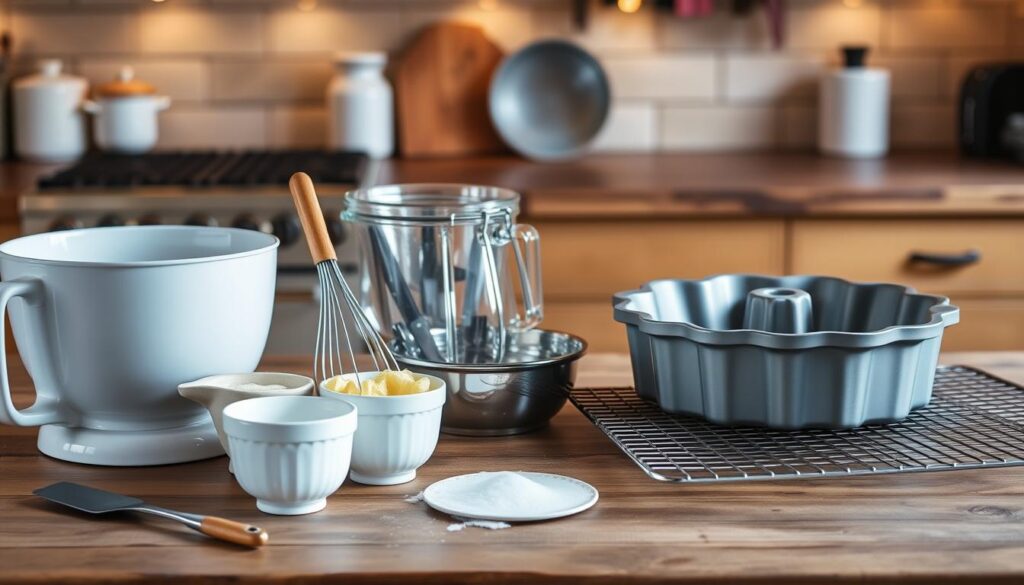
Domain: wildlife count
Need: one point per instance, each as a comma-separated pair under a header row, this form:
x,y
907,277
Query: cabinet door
x,y
591,320
591,260
883,250
987,325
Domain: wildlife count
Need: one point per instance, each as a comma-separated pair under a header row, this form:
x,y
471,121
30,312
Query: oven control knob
x,y
246,222
336,229
110,220
287,228
65,223
150,219
200,219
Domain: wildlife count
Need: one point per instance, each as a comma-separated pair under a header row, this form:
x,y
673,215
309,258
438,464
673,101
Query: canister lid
x,y
430,203
124,85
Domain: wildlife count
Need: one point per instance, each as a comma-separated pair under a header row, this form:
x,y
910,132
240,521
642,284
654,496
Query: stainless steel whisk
x,y
333,340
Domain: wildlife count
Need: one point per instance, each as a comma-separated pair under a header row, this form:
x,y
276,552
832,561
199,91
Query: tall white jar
x,y
360,103
854,108
48,120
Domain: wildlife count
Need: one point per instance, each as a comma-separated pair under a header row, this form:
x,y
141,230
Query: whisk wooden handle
x,y
312,218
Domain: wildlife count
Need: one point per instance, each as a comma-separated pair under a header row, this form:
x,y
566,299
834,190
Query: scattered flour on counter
x,y
254,387
414,499
464,523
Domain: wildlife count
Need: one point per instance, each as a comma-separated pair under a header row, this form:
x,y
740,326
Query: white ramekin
x,y
396,434
290,452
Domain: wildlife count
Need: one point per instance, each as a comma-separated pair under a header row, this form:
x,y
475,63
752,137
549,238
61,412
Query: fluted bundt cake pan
x,y
784,352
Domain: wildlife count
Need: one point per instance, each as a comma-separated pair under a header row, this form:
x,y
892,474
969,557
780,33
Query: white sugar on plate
x,y
510,496
511,492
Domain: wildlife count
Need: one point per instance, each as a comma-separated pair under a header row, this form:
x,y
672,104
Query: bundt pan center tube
x,y
784,352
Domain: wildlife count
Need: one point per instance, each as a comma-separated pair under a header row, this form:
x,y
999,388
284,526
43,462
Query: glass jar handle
x,y
526,246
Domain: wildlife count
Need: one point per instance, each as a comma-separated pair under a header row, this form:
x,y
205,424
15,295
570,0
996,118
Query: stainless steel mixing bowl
x,y
518,395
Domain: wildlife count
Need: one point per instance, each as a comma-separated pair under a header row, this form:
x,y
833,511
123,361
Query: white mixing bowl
x,y
290,452
110,320
396,435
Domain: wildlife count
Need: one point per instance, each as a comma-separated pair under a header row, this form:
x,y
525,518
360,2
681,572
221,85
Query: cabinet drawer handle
x,y
964,259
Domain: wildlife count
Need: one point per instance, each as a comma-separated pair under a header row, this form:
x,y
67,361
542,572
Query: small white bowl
x,y
396,435
290,452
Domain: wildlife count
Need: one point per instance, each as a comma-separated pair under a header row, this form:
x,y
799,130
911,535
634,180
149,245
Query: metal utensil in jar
x,y
450,247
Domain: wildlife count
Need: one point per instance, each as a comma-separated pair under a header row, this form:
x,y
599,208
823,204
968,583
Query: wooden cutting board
x,y
441,82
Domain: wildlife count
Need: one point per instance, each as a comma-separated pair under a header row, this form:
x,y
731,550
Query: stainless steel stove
x,y
245,189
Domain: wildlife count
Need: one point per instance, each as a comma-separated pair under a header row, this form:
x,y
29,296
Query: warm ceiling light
x,y
488,5
853,3
307,5
630,6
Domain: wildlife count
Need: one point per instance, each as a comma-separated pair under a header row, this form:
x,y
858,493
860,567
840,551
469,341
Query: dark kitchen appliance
x,y
991,101
245,189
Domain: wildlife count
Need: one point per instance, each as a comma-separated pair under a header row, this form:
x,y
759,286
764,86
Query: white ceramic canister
x,y
854,109
48,124
125,114
360,102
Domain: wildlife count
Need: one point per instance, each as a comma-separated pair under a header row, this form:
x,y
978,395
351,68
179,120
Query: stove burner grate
x,y
251,168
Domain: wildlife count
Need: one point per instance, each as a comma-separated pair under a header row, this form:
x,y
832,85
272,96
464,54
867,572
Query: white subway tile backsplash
x,y
913,76
830,25
256,80
773,77
509,26
718,127
253,72
630,127
235,127
297,127
721,30
330,29
927,126
661,76
798,126
74,31
174,29
945,25
181,79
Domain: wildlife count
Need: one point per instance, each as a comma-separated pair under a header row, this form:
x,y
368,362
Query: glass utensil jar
x,y
446,257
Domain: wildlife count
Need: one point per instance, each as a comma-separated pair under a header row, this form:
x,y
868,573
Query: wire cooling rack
x,y
974,420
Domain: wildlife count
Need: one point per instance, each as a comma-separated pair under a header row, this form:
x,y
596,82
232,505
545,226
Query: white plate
x,y
573,497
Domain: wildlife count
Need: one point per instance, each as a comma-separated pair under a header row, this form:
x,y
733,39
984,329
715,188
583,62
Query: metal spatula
x,y
96,501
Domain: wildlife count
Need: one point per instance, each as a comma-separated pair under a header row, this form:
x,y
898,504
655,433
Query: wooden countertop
x,y
757,184
682,185
951,526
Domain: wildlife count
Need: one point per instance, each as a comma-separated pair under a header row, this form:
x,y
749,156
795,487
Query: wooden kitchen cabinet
x,y
986,324
592,260
591,320
586,261
879,250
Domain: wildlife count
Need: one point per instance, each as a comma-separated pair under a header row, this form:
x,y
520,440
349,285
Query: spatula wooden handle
x,y
312,218
231,531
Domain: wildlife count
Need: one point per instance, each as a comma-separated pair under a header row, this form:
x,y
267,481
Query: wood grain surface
x,y
441,83
694,185
943,527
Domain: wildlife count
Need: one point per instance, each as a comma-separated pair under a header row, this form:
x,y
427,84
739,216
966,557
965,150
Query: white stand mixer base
x,y
127,448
